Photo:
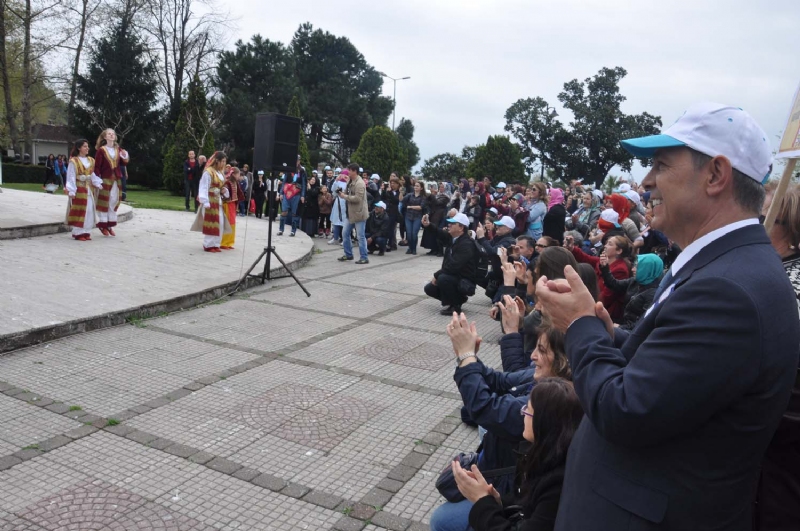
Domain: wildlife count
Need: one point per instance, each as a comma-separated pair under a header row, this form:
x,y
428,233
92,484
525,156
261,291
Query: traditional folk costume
x,y
81,215
211,221
229,204
107,166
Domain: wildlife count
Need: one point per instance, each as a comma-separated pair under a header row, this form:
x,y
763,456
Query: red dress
x,y
108,168
612,300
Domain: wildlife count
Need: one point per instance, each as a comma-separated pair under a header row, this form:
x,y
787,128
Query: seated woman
x,y
493,399
639,289
617,252
552,416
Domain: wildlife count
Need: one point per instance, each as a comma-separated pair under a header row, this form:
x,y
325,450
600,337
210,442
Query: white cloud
x,y
470,60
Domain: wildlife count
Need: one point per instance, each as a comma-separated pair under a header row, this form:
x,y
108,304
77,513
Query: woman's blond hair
x,y
101,140
789,215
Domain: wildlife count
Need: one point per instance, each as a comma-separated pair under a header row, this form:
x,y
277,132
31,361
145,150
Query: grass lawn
x,y
138,197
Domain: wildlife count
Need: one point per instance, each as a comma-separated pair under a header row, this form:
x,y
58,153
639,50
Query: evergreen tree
x,y
192,133
499,159
379,152
120,91
405,135
305,158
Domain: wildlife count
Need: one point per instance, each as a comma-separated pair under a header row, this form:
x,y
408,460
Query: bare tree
x,y
82,11
11,119
184,38
38,41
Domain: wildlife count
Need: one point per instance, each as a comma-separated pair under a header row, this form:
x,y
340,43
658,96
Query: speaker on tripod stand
x,y
277,141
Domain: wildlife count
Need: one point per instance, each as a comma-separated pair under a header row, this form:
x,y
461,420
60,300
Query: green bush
x,y
23,173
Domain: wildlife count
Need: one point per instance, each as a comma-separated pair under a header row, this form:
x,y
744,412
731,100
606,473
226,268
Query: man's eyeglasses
x,y
524,411
541,246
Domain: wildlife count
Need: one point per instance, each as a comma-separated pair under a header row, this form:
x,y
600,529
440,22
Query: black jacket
x,y
554,223
392,199
638,298
460,258
259,190
311,210
538,514
378,226
679,412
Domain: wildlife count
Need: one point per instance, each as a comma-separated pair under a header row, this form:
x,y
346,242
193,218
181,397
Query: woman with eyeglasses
x,y
778,496
492,399
551,418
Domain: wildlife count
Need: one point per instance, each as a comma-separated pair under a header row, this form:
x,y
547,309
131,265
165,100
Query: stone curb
x,y
47,229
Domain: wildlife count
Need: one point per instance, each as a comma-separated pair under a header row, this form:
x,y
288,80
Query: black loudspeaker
x,y
276,143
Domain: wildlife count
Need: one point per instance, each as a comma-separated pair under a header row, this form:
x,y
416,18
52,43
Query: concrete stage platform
x,y
53,286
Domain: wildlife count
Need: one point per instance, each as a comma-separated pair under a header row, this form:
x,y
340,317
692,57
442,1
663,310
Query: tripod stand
x,y
269,251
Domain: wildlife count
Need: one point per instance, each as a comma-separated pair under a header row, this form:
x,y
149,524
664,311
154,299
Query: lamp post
x,y
551,113
394,93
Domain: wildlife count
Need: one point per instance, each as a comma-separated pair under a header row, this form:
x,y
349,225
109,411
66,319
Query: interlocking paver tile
x,y
34,480
416,499
228,503
22,424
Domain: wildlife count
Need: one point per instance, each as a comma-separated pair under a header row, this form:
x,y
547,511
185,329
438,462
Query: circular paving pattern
x,y
386,349
298,415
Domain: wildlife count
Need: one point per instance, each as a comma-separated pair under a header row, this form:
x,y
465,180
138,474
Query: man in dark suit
x,y
680,410
455,280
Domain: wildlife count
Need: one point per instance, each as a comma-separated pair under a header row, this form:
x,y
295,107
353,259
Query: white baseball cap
x,y
501,184
338,170
375,177
493,209
714,129
610,215
327,168
459,218
633,196
380,204
598,193
361,170
624,188
506,222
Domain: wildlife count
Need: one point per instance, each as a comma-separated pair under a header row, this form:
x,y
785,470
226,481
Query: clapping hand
x,y
511,314
480,232
502,252
603,259
463,335
509,273
520,270
472,484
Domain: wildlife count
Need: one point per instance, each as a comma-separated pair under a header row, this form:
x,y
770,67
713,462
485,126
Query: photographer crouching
x,y
455,281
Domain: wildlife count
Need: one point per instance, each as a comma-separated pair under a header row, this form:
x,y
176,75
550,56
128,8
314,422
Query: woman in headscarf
x,y
622,206
554,222
585,218
639,289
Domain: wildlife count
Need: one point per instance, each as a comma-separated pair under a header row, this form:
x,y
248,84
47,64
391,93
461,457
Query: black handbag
x,y
446,483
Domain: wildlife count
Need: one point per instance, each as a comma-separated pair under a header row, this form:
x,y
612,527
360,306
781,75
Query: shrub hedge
x,y
22,173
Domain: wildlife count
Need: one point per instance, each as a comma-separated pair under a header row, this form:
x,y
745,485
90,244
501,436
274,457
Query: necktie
x,y
665,282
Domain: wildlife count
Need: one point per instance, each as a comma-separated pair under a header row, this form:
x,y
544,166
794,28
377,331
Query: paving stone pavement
x,y
268,410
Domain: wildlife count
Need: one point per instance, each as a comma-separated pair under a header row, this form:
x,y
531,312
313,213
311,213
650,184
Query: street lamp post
x,y
394,93
551,113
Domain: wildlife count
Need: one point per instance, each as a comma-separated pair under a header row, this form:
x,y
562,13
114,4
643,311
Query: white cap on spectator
x,y
375,177
459,218
714,130
493,209
361,170
624,188
314,172
633,196
261,172
338,170
599,194
327,168
506,222
380,204
501,184
610,215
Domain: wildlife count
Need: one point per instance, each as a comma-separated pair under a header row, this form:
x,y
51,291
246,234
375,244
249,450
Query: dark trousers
x,y
259,206
393,231
446,290
402,221
187,191
378,242
325,223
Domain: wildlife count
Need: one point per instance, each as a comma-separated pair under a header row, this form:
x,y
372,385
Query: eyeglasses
x,y
524,411
540,246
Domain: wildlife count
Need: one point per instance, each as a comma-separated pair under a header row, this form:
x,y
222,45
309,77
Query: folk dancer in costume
x,y
81,214
211,219
108,159
229,205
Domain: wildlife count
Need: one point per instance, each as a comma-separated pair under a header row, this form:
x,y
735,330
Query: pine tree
x,y
379,152
499,159
119,91
305,158
192,133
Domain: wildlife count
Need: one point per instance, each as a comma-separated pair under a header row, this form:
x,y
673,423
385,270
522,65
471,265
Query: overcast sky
x,y
469,60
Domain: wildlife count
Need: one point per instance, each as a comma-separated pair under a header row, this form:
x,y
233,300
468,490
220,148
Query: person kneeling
x,y
377,231
454,282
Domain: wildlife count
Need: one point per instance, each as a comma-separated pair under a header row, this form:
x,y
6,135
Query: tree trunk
x,y
73,89
27,83
10,115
